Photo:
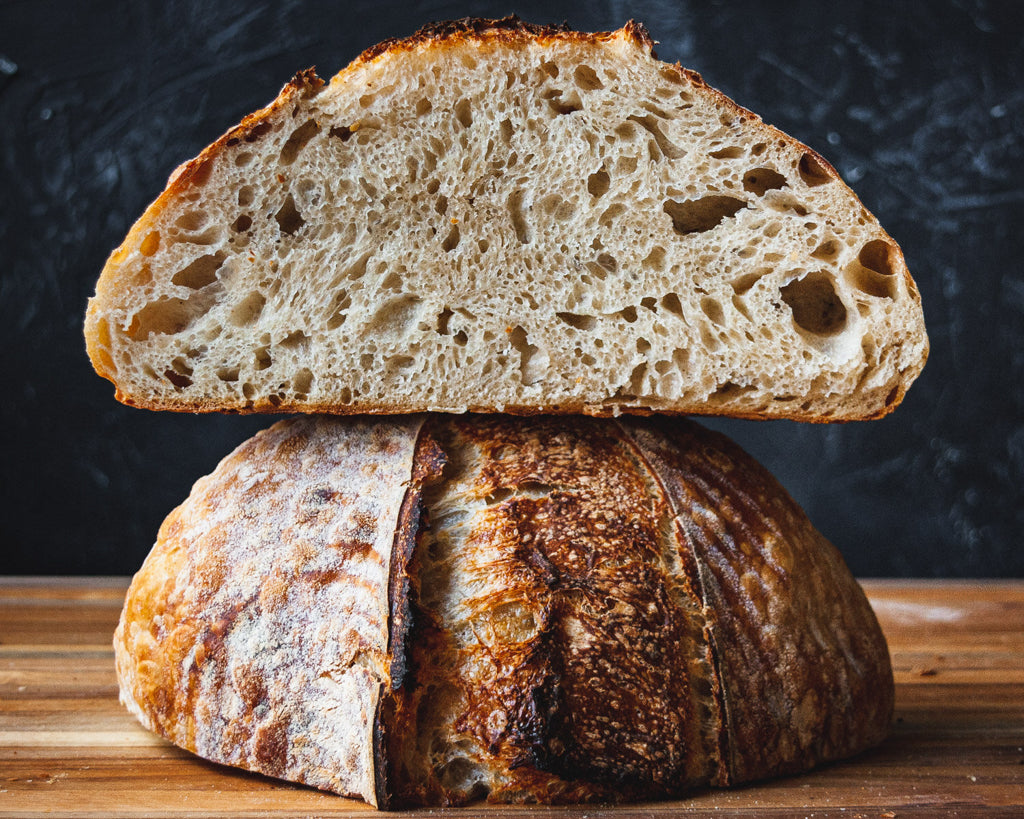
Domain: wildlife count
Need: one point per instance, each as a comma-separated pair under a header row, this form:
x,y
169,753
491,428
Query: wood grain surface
x,y
67,748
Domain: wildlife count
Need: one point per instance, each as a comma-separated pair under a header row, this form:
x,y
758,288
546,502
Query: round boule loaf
x,y
434,609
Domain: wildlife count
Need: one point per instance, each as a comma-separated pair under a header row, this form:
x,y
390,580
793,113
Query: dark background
x,y
920,106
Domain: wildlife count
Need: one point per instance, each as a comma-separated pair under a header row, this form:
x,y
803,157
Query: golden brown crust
x,y
507,30
259,623
598,699
576,609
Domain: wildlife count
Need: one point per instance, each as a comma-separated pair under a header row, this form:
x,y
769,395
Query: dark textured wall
x,y
919,105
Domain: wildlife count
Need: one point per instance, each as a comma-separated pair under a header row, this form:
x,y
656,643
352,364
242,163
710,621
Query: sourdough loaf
x,y
496,216
433,609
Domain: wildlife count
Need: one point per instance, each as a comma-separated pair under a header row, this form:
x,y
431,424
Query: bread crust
x,y
570,609
260,623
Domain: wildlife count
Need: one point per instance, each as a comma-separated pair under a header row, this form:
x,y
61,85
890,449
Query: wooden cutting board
x,y
67,748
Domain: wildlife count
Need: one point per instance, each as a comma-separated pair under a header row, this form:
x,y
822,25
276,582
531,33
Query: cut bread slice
x,y
491,215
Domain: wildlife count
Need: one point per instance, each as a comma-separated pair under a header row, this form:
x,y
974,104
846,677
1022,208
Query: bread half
x,y
437,609
496,216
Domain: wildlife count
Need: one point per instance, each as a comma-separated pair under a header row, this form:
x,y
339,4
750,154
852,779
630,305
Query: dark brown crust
x,y
428,463
675,619
804,664
599,703
508,29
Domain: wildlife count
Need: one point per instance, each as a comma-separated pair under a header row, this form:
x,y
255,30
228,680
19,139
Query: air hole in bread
x,y
578,321
671,302
560,104
243,158
758,148
342,132
784,202
661,113
242,223
201,272
151,244
827,251
297,141
699,215
729,391
655,260
711,342
258,131
516,211
339,310
463,113
302,382
199,172
598,183
760,180
877,255
166,316
812,171
713,310
549,68
586,78
294,340
262,358
627,314
423,106
460,338
248,309
555,206
668,148
443,318
533,362
643,346
398,362
816,306
229,375
245,196
870,281
728,152
179,381
625,165
610,213
288,218
192,221
741,307
451,241
608,262
742,284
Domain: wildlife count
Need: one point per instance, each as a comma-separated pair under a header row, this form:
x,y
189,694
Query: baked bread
x,y
434,609
496,216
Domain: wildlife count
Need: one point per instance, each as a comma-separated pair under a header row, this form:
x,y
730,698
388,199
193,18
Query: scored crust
x,y
444,608
463,292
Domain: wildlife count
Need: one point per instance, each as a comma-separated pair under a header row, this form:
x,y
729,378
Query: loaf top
x,y
434,609
495,216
